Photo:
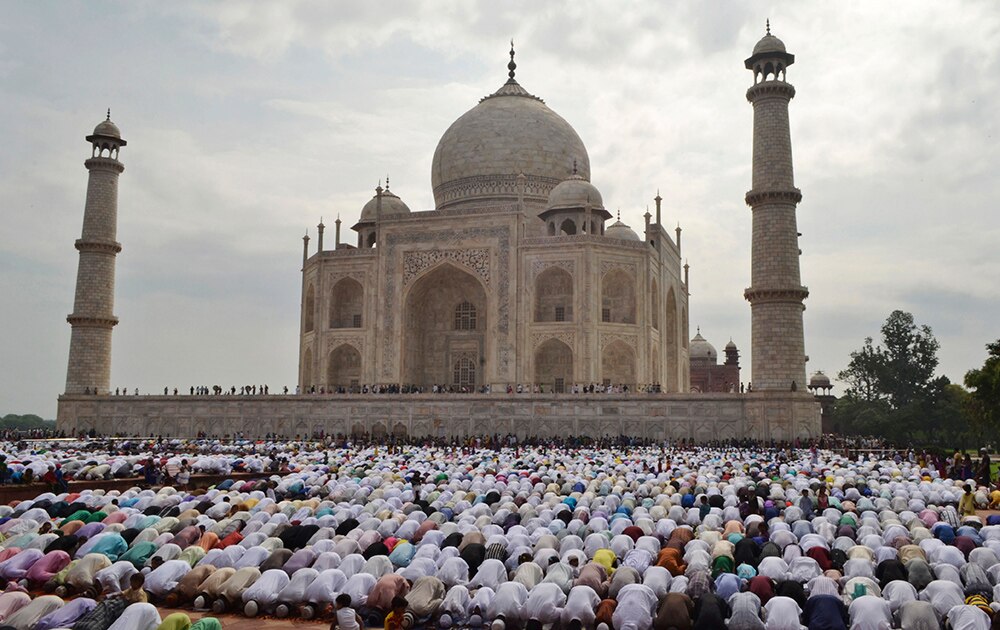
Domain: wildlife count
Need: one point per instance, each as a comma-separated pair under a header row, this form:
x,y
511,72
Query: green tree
x,y
863,374
984,402
892,390
909,361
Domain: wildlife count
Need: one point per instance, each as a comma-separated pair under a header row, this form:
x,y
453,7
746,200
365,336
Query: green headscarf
x,y
175,621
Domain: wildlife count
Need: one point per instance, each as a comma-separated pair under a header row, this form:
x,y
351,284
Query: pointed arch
x,y
554,296
684,327
654,297
309,310
347,302
568,227
670,333
307,361
618,297
432,343
618,364
343,368
553,365
654,352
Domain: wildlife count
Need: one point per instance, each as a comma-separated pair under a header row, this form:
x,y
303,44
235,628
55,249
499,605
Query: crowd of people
x,y
519,388
497,532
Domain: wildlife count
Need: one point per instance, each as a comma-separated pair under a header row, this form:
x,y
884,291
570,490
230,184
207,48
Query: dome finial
x,y
387,181
768,24
511,66
619,214
574,167
109,114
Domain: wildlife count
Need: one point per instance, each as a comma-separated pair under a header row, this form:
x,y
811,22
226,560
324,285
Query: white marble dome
x,y
621,231
392,206
575,192
508,133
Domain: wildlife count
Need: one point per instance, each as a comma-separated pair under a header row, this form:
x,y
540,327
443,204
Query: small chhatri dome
x,y
621,231
769,43
574,192
701,349
107,128
820,380
769,47
731,345
392,205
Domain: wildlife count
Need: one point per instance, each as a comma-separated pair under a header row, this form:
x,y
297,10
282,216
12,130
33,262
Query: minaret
x,y
93,317
776,292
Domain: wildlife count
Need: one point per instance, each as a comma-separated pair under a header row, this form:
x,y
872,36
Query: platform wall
x,y
702,417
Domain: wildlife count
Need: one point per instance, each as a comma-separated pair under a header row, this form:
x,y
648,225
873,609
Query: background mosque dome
x,y
392,206
700,348
622,231
575,192
509,132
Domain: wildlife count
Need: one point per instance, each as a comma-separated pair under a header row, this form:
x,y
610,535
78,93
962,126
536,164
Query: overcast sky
x,y
247,122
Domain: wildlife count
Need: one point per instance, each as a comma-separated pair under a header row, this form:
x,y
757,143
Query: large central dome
x,y
510,132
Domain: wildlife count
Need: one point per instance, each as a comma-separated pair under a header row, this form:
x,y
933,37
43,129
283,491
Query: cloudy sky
x,y
248,121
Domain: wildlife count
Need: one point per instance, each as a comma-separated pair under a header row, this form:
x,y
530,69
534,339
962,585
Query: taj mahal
x,y
516,288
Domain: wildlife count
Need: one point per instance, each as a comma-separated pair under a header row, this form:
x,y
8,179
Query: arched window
x,y
465,316
309,316
568,227
465,373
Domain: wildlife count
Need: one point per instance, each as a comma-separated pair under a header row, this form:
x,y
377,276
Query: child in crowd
x,y
134,594
346,617
967,504
394,620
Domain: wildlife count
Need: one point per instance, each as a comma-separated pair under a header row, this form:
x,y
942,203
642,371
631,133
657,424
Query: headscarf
x,y
175,621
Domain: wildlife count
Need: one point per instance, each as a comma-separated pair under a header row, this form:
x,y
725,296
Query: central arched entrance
x,y
444,330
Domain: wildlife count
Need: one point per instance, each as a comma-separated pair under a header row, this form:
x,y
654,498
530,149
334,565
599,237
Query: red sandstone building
x,y
707,375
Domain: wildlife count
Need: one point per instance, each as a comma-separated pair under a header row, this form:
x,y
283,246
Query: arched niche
x,y
344,368
554,296
307,362
618,364
654,296
309,308
553,365
618,297
347,304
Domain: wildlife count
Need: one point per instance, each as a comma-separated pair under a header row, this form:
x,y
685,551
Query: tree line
x,y
893,391
25,422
